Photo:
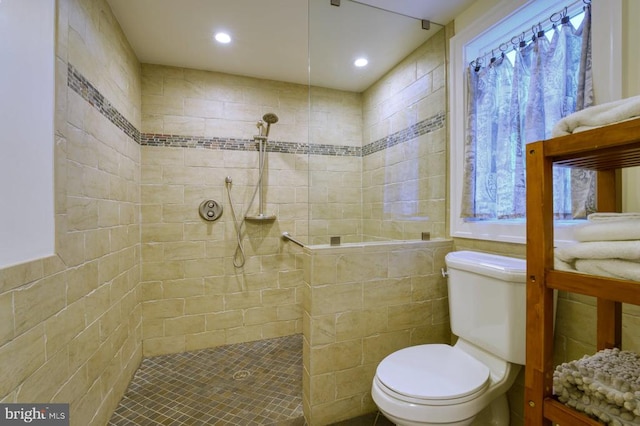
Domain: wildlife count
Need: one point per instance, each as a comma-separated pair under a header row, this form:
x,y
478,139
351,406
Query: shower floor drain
x,y
241,375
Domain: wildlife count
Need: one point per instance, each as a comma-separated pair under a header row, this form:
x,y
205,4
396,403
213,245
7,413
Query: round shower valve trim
x,y
210,210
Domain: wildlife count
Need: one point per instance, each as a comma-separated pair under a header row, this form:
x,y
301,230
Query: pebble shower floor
x,y
255,383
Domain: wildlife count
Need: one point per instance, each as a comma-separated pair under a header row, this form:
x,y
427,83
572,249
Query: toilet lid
x,y
433,372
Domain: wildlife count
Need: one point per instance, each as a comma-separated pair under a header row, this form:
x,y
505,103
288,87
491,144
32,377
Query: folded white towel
x,y
614,268
628,250
601,217
563,266
597,116
608,230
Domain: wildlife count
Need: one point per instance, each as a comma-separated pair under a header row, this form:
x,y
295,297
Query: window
x,y
501,23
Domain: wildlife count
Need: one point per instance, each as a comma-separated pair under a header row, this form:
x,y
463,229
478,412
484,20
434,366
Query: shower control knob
x,y
210,210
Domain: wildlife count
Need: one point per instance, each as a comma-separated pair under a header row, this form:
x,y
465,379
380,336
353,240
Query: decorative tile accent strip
x,y
423,127
232,144
89,93
337,150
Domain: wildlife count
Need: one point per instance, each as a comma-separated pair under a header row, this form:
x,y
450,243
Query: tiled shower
x,y
137,273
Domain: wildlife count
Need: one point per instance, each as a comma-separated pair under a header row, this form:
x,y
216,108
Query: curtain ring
x,y
518,41
556,17
503,48
476,64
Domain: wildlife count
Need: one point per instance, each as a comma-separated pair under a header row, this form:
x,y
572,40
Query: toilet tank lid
x,y
492,265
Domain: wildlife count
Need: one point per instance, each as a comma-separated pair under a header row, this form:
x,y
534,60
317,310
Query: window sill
x,y
511,231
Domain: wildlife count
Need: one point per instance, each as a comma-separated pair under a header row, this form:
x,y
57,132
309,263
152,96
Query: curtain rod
x,y
560,17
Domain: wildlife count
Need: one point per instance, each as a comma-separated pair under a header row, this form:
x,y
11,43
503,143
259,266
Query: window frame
x,y
607,68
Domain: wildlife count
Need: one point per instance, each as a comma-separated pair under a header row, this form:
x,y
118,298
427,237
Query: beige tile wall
x,y
335,198
70,324
361,303
194,296
412,91
335,182
182,101
314,197
336,117
404,187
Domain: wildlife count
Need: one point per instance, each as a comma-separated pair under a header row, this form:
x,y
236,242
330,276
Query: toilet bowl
x,y
443,385
463,384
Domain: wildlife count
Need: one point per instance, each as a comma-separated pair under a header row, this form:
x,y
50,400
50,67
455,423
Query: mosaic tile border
x,y
89,93
231,144
423,127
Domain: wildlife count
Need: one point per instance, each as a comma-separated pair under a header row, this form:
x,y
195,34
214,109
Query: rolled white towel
x,y
598,116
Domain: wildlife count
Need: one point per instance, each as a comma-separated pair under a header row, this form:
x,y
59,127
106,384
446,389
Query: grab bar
x,y
287,236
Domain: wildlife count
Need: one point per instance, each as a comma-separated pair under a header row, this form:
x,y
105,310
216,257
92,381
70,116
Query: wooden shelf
x,y
560,414
591,285
604,150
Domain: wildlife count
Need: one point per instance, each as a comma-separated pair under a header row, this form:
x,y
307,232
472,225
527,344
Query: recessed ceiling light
x,y
223,38
360,62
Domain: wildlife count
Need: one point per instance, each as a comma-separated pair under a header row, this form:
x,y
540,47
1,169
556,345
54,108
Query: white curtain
x,y
510,105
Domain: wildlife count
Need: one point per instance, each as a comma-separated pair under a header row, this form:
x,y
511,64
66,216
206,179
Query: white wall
x,y
26,130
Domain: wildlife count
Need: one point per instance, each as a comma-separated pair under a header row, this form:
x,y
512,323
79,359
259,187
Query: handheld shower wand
x,y
239,255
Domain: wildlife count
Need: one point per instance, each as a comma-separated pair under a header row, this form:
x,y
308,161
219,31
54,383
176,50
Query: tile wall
x,y
197,130
361,303
70,324
405,156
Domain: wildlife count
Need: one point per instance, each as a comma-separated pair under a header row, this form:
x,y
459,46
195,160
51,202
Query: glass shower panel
x,y
377,139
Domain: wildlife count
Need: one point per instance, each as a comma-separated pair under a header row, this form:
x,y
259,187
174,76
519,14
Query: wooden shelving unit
x,y
604,150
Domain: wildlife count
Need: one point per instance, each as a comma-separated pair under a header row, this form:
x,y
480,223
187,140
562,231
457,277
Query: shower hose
x,y
239,257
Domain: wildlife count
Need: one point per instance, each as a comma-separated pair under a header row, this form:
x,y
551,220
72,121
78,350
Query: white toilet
x,y
466,383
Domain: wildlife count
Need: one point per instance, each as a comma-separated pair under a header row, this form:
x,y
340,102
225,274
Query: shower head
x,y
269,118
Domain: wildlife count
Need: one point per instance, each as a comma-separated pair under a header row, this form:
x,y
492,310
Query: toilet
x,y
463,384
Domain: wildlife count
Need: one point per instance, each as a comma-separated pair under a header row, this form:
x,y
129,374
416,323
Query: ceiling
x,y
295,41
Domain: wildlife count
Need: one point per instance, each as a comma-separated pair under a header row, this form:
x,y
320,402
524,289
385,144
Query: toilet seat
x,y
434,374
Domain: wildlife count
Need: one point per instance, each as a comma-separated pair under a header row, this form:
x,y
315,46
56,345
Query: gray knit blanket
x,y
605,386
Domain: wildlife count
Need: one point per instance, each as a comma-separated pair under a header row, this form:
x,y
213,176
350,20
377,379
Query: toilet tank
x,y
487,302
